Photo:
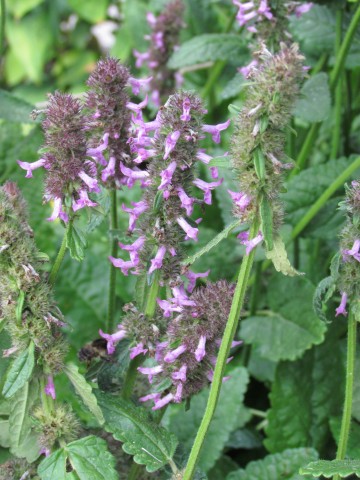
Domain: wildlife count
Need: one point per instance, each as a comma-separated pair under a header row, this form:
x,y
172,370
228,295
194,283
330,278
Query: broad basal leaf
x,y
291,327
150,444
284,465
314,103
329,468
210,47
230,414
278,256
20,372
84,390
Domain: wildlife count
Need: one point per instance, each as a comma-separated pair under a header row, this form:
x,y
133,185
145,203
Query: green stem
x,y
110,321
60,256
338,92
46,401
306,148
2,26
228,336
350,368
130,376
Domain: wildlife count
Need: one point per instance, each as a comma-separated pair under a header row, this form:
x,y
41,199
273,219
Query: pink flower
x,y
251,244
304,8
109,171
29,167
178,393
215,130
137,107
185,117
245,71
113,339
241,200
163,401
97,153
83,201
207,187
191,232
150,371
134,249
50,387
139,208
90,182
180,374
58,212
354,252
192,279
124,265
137,350
136,84
203,157
168,307
186,201
140,58
156,263
150,396
170,143
341,309
172,355
200,351
166,176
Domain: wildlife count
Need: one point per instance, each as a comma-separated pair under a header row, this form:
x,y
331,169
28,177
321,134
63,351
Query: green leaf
x,y
278,256
76,242
20,7
273,467
323,292
84,390
329,468
291,327
352,449
314,104
259,164
19,306
4,433
223,162
266,216
304,396
356,390
53,466
92,11
20,372
209,47
233,87
14,109
230,414
150,444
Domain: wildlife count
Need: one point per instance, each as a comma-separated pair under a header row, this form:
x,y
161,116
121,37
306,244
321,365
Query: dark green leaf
x,y
14,109
53,466
234,87
20,372
76,242
330,468
323,291
266,216
19,306
314,104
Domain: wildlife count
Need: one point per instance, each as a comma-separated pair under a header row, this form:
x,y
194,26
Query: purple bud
x,y
185,117
178,393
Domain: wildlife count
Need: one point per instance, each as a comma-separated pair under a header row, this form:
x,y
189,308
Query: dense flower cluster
x,y
258,142
164,38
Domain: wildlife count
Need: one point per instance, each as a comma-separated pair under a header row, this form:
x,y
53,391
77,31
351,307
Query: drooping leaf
x,y
14,109
84,390
150,444
209,47
291,327
304,396
273,467
314,104
19,372
76,242
330,468
278,256
229,415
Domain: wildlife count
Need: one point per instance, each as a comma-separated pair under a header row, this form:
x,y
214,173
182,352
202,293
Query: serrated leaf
x,y
210,47
266,216
329,468
291,327
314,104
230,414
19,372
273,467
14,109
19,419
76,242
323,292
304,396
278,256
84,390
150,444
53,466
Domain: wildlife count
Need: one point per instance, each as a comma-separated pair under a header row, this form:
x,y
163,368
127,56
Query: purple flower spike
x,y
207,187
190,231
215,130
354,252
166,176
186,117
192,279
341,309
109,171
113,339
90,182
156,262
163,401
186,201
170,142
137,350
241,200
124,265
29,167
139,208
50,387
96,153
83,201
58,212
180,374
136,84
172,355
200,351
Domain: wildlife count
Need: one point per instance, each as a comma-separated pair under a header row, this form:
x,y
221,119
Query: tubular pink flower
x,y
124,265
113,339
156,263
138,83
166,175
241,200
50,387
172,355
186,201
150,371
200,351
44,451
170,143
354,252
250,244
143,155
180,374
133,174
160,347
186,117
137,107
58,212
193,277
163,401
97,153
178,393
140,58
191,232
168,307
139,208
83,201
215,130
207,187
138,350
90,182
150,396
245,71
304,8
109,171
203,157
29,167
341,309
180,297
214,172
134,249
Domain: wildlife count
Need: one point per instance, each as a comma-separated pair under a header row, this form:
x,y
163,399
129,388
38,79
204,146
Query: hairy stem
x,y
338,91
350,367
225,346
60,256
110,321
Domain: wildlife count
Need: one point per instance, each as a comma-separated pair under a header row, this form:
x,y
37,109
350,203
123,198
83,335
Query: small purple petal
x,y
341,309
50,387
172,355
29,167
200,351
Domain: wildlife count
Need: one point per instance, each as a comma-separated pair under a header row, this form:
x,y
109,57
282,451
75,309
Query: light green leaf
x,y
84,390
209,47
19,420
20,372
278,256
76,242
356,390
20,7
273,467
14,109
19,306
314,104
329,468
53,466
230,414
91,10
291,327
150,444
304,396
4,433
